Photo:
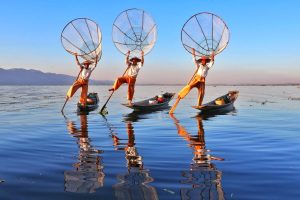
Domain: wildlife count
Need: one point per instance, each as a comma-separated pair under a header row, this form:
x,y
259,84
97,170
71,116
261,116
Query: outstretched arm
x,y
127,62
213,56
142,56
212,60
194,58
96,62
77,62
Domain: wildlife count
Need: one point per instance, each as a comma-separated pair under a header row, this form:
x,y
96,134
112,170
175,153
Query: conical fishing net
x,y
134,30
206,33
82,36
92,55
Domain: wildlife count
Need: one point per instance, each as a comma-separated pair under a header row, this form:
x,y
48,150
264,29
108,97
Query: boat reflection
x,y
206,116
136,116
87,175
203,179
134,183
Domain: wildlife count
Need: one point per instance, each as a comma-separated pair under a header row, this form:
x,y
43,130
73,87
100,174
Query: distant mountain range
x,y
19,76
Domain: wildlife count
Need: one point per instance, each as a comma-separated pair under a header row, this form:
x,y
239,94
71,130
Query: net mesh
x,y
134,30
206,33
97,53
82,36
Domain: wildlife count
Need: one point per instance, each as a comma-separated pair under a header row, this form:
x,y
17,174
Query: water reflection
x,y
206,116
203,179
87,174
134,183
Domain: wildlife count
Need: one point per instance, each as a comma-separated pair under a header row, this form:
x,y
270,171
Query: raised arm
x,y
142,57
96,62
194,58
212,60
77,61
212,56
127,62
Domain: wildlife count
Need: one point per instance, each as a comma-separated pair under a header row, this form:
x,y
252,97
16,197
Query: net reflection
x,y
87,174
134,183
203,179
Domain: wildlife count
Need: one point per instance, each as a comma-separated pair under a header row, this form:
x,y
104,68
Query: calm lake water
x,y
249,153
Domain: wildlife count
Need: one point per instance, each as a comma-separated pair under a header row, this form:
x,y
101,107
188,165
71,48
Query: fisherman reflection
x,y
87,175
203,177
133,184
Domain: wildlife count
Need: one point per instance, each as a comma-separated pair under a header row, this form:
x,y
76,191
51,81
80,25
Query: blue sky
x,y
263,47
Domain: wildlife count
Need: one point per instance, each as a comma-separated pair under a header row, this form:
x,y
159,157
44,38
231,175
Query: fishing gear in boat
x,y
219,105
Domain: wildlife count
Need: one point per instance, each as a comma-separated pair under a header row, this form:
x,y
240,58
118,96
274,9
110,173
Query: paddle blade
x,y
103,111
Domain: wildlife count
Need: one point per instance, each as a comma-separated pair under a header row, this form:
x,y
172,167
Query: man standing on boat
x,y
82,80
203,65
133,66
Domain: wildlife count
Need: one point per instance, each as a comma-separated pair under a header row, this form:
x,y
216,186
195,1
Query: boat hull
x,y
212,107
90,106
145,106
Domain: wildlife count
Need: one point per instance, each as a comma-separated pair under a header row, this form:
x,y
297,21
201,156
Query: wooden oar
x,y
102,111
178,99
67,98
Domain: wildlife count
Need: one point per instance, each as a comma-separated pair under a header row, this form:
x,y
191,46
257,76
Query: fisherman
x,y
82,80
133,66
160,99
203,65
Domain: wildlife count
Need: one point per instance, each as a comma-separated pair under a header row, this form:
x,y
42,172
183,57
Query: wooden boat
x,y
152,104
92,103
219,105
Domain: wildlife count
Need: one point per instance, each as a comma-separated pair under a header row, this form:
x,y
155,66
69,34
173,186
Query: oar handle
x,y
78,74
103,107
174,106
178,99
62,109
193,75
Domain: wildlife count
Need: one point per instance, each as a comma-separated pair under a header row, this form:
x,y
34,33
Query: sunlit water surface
x,y
249,153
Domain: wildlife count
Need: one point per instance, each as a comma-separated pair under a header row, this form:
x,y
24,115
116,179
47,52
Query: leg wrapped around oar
x,y
184,91
120,80
76,85
72,90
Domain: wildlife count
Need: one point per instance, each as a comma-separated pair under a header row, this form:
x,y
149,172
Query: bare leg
x,y
201,93
130,93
